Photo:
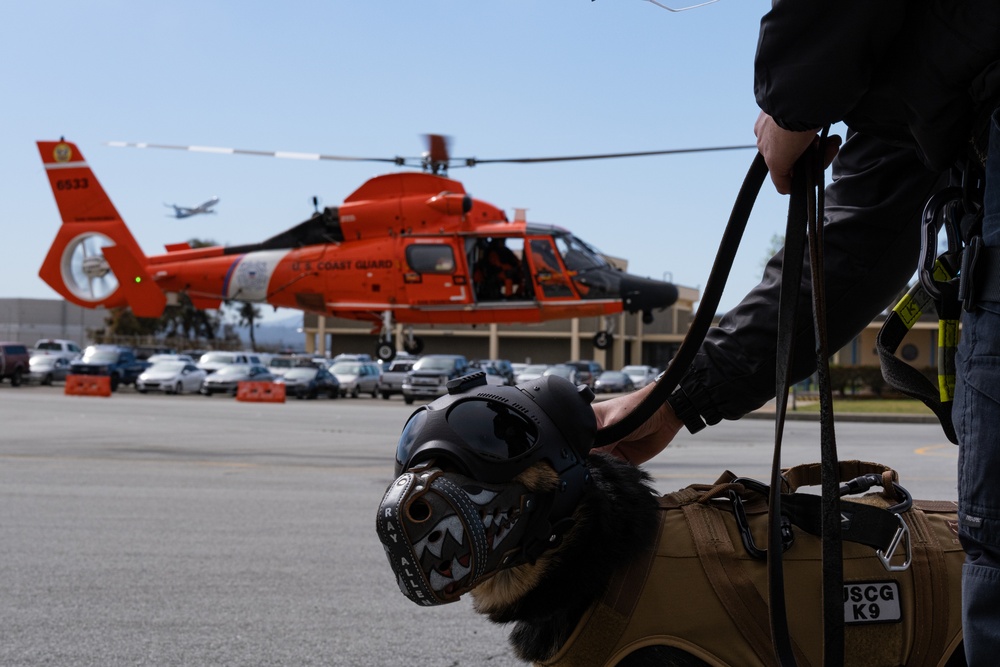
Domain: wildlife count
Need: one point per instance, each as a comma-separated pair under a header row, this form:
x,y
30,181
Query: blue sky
x,y
519,78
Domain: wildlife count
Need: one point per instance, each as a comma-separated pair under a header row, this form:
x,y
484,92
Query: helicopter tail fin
x,y
94,260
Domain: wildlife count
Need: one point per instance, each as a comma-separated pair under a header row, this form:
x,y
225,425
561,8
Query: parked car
x,y
430,375
493,377
500,367
145,352
169,356
280,364
213,361
586,371
171,377
227,379
613,382
58,347
309,382
564,371
357,377
119,363
14,362
393,376
530,372
343,356
641,375
48,368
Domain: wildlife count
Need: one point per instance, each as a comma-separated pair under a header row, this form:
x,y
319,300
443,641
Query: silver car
x,y
48,368
357,377
171,377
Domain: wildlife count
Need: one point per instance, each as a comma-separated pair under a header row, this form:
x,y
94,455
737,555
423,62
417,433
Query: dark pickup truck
x,y
393,376
429,377
120,363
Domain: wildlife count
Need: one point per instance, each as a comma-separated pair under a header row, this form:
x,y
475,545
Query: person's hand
x,y
649,439
781,148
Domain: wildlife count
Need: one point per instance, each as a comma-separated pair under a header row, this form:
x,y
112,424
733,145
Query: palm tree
x,y
247,313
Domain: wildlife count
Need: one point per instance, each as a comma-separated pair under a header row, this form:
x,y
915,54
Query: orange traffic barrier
x,y
261,392
88,385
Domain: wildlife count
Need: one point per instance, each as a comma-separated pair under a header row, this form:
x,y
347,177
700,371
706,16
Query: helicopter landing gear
x,y
385,349
413,344
603,339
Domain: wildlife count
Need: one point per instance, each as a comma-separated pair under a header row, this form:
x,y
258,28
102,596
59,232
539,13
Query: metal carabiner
x,y
902,535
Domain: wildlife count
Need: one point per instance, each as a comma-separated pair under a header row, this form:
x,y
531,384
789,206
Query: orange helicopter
x,y
409,247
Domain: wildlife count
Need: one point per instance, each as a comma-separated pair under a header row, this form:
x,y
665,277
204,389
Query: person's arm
x,y
872,240
873,212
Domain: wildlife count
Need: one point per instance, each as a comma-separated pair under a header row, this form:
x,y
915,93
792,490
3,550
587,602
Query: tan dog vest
x,y
700,591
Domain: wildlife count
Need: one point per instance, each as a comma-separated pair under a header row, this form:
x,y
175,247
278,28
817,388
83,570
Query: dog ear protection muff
x,y
458,512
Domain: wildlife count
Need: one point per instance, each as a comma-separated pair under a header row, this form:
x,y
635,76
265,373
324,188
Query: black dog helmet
x,y
456,463
493,433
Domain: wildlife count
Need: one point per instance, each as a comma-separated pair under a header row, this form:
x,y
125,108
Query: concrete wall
x,y
27,320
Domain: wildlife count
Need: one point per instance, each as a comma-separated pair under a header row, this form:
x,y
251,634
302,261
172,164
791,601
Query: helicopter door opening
x,y
548,273
497,268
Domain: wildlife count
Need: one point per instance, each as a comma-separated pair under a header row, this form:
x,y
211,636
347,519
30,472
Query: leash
x,y
702,321
804,228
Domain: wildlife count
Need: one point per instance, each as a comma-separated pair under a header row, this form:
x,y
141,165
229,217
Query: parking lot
x,y
181,530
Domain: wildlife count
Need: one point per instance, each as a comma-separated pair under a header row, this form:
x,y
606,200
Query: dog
x,y
591,566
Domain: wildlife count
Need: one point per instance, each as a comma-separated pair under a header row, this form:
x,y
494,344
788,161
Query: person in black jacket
x,y
917,83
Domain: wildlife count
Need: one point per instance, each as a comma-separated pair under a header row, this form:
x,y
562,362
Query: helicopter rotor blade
x,y
472,162
290,155
437,158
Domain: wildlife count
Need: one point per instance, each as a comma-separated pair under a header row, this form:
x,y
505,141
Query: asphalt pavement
x,y
185,530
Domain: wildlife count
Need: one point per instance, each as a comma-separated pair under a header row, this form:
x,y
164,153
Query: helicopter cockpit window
x,y
548,273
578,255
430,258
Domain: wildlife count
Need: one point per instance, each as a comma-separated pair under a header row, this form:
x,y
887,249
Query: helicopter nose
x,y
646,294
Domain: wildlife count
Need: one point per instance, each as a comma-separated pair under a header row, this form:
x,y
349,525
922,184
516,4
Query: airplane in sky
x,y
185,212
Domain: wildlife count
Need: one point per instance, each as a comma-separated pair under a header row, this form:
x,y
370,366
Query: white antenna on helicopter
x,y
681,9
